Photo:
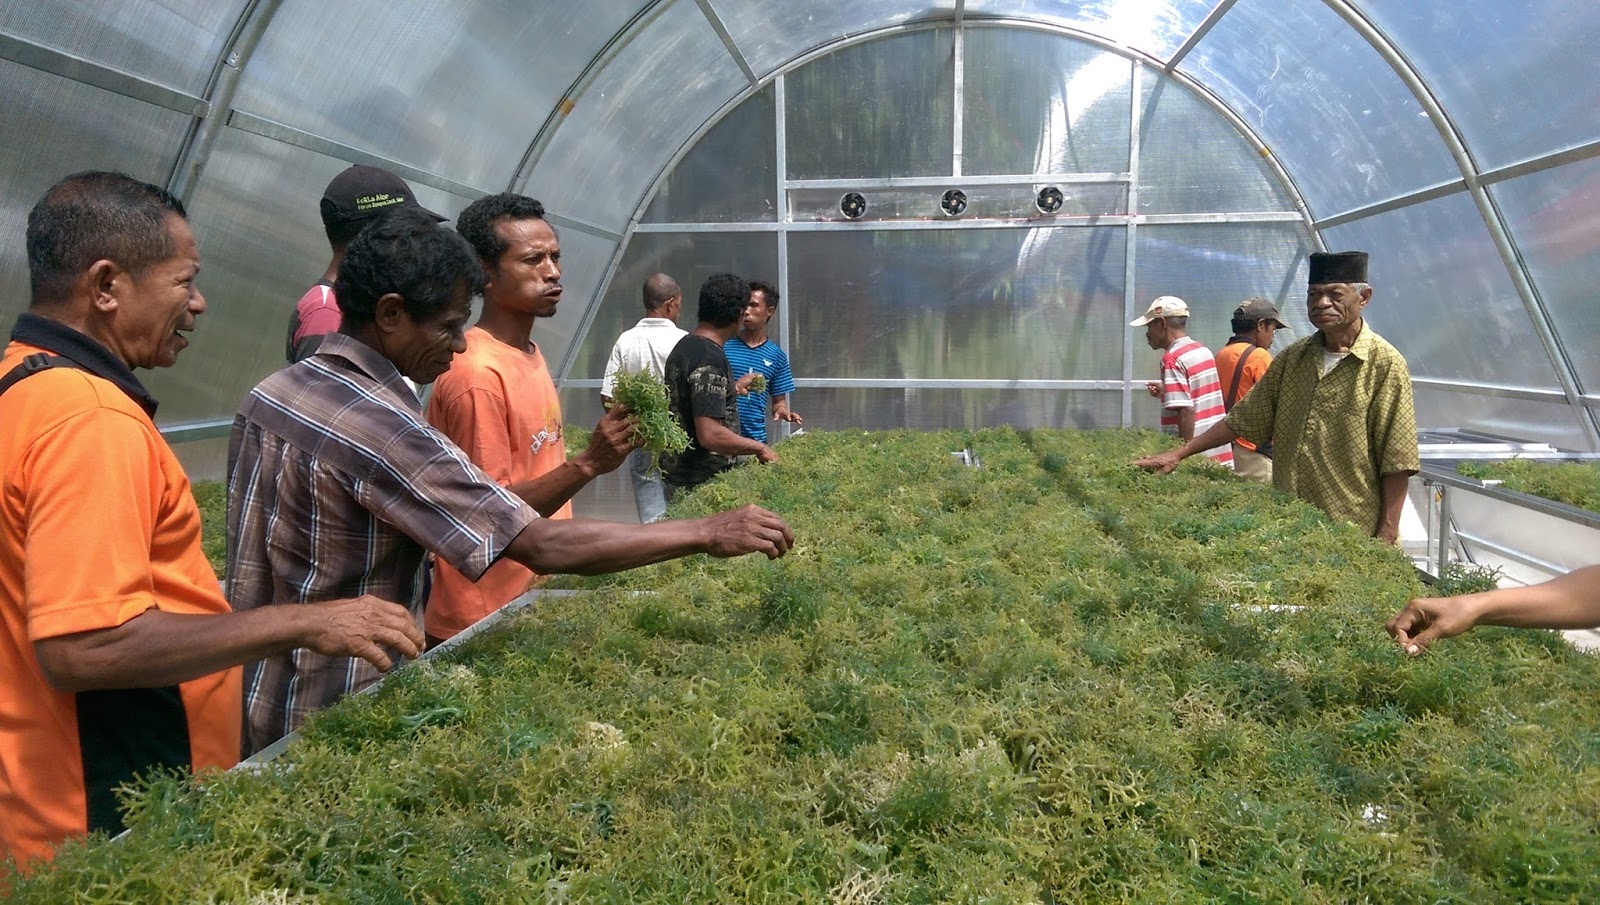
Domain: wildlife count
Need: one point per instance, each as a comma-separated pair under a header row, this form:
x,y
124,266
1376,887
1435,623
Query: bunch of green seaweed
x,y
655,427
1574,483
1054,678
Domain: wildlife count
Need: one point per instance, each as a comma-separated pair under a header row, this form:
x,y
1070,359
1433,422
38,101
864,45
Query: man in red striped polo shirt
x,y
1189,390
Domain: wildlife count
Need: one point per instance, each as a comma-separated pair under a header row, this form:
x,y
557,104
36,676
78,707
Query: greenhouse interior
x,y
962,205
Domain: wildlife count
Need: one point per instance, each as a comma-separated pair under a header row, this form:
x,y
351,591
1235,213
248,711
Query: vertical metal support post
x,y
780,203
1444,528
959,64
1129,310
196,152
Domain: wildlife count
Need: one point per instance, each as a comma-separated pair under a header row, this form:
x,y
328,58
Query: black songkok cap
x,y
1338,267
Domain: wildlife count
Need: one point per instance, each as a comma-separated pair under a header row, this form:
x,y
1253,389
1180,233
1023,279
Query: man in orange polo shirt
x,y
118,654
1255,324
498,403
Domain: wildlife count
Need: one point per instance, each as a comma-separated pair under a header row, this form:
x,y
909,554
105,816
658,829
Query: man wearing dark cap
x,y
350,201
1336,405
1240,364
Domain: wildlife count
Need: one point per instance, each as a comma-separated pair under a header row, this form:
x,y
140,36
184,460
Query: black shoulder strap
x,y
32,365
1238,372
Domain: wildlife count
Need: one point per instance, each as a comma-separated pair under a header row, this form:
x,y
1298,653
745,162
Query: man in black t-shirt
x,y
703,395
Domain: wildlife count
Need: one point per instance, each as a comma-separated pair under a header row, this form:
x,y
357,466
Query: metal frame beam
x,y
71,66
220,91
1510,257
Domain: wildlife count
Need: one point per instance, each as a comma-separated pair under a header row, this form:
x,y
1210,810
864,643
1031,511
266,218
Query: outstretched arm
x,y
1571,601
1163,463
588,547
155,648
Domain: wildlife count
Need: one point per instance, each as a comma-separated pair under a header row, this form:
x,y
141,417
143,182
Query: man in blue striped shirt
x,y
751,352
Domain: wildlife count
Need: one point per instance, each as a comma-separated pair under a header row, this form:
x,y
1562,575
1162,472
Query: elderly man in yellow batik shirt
x,y
1337,406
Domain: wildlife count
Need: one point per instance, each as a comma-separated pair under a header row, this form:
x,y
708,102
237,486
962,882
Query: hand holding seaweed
x,y
644,397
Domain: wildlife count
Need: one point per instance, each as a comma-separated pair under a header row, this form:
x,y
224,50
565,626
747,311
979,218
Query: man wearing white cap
x,y
1190,393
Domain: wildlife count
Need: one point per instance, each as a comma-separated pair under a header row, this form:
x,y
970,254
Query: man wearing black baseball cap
x,y
353,199
1336,405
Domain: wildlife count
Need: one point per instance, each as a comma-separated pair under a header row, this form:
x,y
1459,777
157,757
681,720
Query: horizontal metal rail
x,y
71,66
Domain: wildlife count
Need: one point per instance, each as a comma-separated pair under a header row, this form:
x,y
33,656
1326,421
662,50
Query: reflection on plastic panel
x,y
1554,217
1539,95
772,32
457,89
170,42
688,258
883,108
1011,303
1443,297
636,115
1156,27
1041,103
1323,99
1192,160
731,173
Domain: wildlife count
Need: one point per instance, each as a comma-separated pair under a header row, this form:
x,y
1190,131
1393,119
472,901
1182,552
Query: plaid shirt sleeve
x,y
425,486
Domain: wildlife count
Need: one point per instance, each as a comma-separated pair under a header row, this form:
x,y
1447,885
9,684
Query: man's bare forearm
x,y
156,649
550,491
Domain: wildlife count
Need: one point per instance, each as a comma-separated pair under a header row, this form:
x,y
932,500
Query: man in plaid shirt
x,y
338,486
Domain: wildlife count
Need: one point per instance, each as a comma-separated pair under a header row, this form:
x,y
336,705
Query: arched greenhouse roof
x,y
1199,148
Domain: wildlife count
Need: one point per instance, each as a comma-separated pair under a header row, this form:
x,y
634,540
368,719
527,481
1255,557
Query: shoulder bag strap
x,y
32,365
1238,374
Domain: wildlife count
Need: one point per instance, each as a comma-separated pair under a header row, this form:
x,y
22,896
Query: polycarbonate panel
x,y
457,89
983,201
883,108
1155,27
638,113
1554,217
1003,303
255,214
1193,160
730,175
1323,100
170,42
768,35
54,127
204,460
887,408
1506,72
688,258
1516,419
608,496
1214,267
584,259
1442,296
1042,103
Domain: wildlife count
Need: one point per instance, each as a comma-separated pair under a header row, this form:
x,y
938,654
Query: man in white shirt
x,y
645,346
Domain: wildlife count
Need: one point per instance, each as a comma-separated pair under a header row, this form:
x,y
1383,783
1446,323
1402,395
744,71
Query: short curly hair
x,y
722,299
406,252
476,222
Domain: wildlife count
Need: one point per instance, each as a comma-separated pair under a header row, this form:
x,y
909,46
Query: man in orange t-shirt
x,y
498,403
1255,323
118,653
